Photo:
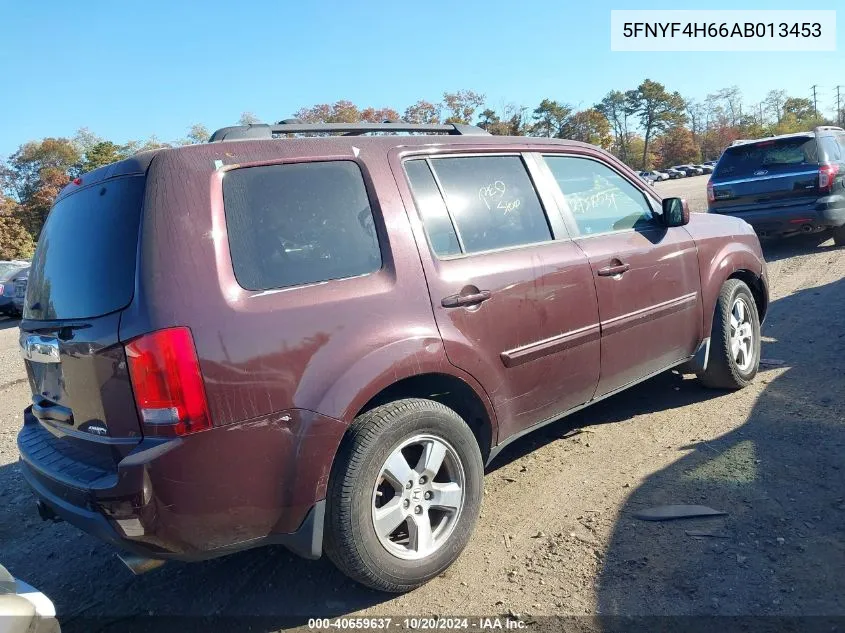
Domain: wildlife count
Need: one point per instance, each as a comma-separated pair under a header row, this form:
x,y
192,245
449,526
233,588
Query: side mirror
x,y
675,212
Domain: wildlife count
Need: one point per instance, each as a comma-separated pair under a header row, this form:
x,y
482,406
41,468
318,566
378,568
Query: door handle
x,y
612,271
457,301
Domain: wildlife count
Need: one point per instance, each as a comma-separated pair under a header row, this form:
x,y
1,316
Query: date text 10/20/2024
x,y
419,624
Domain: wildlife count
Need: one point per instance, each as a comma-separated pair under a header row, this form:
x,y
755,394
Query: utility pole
x,y
838,107
815,102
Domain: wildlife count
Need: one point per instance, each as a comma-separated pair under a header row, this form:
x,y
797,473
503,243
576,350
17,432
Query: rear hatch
x,y
771,172
82,277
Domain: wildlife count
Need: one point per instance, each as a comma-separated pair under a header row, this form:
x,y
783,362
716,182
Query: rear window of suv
x,y
299,223
84,265
774,155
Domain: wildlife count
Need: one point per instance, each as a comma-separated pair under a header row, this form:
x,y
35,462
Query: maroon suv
x,y
320,340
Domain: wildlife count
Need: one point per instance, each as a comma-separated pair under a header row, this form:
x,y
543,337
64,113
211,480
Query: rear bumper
x,y
827,212
206,495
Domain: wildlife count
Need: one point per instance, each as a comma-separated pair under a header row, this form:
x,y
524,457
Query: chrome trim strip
x,y
625,321
41,349
758,178
551,345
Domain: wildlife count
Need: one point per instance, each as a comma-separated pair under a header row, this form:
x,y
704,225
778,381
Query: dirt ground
x,y
557,534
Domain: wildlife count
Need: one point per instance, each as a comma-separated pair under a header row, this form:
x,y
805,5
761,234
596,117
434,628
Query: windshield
x,y
84,264
772,155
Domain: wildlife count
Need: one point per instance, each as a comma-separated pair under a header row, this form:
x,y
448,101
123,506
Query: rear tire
x,y
413,463
839,236
735,339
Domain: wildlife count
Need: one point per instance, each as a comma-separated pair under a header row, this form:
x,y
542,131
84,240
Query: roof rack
x,y
295,126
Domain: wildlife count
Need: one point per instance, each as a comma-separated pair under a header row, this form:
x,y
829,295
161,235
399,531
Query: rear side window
x,y
832,149
299,223
438,224
84,265
776,156
490,203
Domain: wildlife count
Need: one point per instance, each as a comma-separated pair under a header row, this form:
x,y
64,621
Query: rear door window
x,y
299,223
490,203
775,156
84,265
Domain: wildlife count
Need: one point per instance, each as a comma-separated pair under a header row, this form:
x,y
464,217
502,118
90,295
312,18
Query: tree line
x,y
646,127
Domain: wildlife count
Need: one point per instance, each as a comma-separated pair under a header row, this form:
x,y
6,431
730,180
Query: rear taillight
x,y
168,386
711,197
827,175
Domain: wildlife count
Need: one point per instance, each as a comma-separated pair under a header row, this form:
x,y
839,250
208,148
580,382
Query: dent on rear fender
x,y
244,480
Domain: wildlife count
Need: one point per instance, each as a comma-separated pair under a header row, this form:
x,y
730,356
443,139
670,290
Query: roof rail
x,y
294,126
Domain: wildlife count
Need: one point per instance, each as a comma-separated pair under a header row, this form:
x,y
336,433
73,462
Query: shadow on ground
x,y
780,478
7,322
801,244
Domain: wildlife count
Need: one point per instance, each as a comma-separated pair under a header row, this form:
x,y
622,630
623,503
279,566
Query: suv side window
x,y
435,217
832,149
599,199
491,201
299,223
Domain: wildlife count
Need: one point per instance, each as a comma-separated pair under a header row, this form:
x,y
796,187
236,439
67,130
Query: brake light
x,y
711,196
168,386
827,174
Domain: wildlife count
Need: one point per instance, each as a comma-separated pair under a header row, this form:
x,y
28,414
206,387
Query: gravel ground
x,y
557,535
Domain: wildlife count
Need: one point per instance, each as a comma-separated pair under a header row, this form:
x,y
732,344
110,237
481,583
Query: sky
x,y
128,70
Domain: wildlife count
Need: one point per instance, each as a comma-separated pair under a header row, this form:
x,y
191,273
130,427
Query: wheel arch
x,y
449,390
735,261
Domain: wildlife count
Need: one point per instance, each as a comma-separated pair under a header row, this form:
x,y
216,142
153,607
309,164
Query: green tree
x,y
589,126
461,105
657,109
487,119
616,109
550,117
799,107
197,135
103,153
422,112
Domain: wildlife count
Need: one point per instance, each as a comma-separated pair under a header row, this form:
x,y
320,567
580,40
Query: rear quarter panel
x,y
326,348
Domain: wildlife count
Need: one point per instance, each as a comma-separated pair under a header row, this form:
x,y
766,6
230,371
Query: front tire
x,y
404,495
735,339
